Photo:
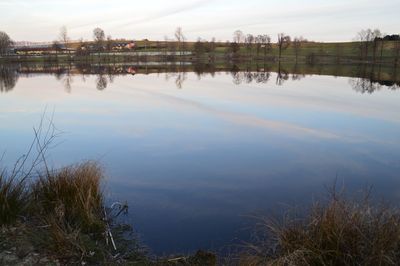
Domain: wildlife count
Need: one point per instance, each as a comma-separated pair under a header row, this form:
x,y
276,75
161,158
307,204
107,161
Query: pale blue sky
x,y
318,20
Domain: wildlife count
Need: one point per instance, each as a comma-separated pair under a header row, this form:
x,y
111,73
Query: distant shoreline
x,y
308,52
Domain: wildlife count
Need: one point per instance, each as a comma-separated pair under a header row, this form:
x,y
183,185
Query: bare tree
x,y
297,43
238,36
199,47
376,35
258,40
109,43
283,43
266,42
56,46
180,38
365,38
99,38
63,37
5,43
249,40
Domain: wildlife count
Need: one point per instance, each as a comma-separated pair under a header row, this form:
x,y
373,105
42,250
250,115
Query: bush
x,y
342,232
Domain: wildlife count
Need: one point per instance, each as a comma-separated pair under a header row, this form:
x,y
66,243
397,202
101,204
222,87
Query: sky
x,y
318,20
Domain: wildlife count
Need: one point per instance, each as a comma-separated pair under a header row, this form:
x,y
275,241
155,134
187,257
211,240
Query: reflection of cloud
x,y
247,120
290,128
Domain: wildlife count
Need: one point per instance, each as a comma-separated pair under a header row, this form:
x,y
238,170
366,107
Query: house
x,y
39,48
122,45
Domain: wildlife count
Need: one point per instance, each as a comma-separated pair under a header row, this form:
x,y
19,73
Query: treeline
x,y
369,46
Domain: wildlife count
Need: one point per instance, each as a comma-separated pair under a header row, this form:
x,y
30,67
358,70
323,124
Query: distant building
x,y
39,48
121,45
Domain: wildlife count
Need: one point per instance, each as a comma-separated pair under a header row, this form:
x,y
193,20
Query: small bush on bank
x,y
342,232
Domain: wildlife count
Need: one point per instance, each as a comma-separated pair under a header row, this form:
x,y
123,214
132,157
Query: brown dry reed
x,y
61,211
340,232
13,198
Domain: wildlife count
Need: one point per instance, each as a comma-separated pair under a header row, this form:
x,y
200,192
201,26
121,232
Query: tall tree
x,y
109,43
238,36
180,38
63,37
5,43
258,40
199,47
99,38
377,36
266,42
249,39
365,38
283,43
297,43
56,46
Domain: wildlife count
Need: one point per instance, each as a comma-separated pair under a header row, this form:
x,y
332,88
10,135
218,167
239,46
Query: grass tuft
x,y
60,214
13,199
71,196
342,232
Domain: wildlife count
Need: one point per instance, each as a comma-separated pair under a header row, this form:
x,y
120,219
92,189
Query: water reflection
x,y
192,162
101,82
362,78
367,85
8,78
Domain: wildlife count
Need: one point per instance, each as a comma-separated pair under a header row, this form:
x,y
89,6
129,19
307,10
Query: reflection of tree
x,y
101,82
67,81
262,77
281,76
367,78
8,78
180,78
296,73
369,81
201,69
364,85
237,77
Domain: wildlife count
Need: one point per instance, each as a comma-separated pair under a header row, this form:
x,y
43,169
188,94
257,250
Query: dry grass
x,y
72,195
67,207
342,232
13,198
60,214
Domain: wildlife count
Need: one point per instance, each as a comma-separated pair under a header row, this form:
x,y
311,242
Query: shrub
x,y
342,232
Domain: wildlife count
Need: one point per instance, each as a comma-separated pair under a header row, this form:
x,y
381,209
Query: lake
x,y
196,151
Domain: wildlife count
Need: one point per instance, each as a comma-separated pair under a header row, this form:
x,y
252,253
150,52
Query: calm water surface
x,y
193,158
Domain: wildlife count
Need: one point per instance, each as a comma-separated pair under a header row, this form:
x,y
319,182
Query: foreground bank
x,y
59,218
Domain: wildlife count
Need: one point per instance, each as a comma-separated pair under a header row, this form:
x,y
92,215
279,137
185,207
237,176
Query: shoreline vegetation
x,y
59,217
368,47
